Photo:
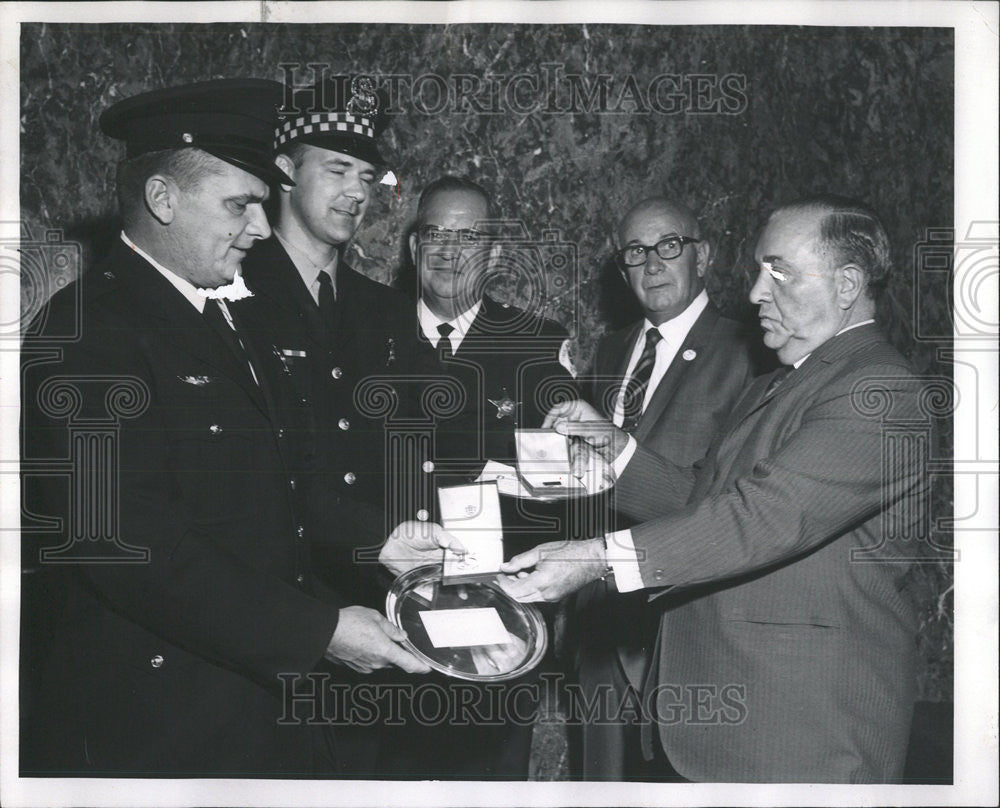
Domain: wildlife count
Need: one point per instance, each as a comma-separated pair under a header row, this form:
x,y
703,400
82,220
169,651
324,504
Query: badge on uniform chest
x,y
506,406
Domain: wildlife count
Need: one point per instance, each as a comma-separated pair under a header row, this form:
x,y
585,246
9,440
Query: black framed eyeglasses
x,y
432,234
634,255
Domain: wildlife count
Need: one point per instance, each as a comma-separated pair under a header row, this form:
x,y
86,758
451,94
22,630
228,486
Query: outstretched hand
x,y
365,641
553,570
414,544
595,442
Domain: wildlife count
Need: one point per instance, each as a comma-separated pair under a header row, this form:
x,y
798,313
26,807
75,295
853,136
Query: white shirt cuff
x,y
623,459
623,559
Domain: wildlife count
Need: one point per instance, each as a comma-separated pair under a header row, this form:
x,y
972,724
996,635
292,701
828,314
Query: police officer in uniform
x,y
180,622
333,327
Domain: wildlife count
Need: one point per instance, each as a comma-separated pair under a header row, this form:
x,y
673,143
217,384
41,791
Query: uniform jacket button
x,y
300,579
281,433
344,424
291,483
215,429
336,373
350,478
427,467
156,661
300,531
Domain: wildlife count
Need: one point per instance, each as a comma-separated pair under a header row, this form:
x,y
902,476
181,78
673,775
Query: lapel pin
x,y
689,354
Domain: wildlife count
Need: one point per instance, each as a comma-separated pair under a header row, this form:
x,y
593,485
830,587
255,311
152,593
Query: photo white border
x,y
976,194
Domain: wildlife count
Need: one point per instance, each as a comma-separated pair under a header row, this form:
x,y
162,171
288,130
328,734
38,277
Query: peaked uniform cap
x,y
231,119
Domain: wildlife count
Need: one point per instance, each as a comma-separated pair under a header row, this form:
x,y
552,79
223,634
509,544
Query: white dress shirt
x,y
429,323
308,269
674,332
620,548
195,296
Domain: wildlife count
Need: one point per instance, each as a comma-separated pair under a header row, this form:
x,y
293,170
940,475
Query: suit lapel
x,y
696,338
166,312
832,350
275,277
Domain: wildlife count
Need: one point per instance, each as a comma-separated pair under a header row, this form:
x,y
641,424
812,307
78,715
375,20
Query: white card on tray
x,y
471,513
461,628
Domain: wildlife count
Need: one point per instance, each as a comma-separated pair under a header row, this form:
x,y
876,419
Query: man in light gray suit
x,y
670,380
791,655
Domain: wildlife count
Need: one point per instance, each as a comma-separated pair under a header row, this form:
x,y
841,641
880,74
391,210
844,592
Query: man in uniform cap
x,y
333,326
196,603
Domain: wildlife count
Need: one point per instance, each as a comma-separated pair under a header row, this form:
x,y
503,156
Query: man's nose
x,y
356,190
761,289
258,227
654,264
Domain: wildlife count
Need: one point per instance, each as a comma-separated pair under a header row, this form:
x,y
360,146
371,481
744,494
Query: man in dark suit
x,y
508,361
669,380
786,657
334,328
191,598
504,359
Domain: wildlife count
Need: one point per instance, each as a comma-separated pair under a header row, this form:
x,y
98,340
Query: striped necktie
x,y
635,388
226,329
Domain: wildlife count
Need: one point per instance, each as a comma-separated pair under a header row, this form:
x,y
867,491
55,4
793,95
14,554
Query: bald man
x,y
670,380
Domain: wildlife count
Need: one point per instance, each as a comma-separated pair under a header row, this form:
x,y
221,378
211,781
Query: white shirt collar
x,y
185,287
798,362
429,323
308,269
676,330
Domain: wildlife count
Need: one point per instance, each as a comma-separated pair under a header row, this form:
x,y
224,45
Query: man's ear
x,y
161,196
286,164
703,251
413,249
850,285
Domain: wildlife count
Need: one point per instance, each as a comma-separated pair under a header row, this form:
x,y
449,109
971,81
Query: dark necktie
x,y
217,320
327,300
635,388
445,329
778,379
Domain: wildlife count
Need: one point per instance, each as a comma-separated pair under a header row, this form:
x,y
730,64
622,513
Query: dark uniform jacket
x,y
355,384
168,665
509,370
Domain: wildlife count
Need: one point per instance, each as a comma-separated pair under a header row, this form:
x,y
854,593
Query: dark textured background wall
x,y
865,112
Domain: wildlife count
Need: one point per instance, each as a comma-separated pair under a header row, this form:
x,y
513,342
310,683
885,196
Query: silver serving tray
x,y
421,589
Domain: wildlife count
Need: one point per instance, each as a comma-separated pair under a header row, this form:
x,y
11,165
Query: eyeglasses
x,y
440,235
670,247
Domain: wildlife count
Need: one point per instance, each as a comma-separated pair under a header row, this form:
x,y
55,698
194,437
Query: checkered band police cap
x,y
341,113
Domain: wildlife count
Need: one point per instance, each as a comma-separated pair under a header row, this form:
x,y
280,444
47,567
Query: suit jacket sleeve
x,y
193,591
822,479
